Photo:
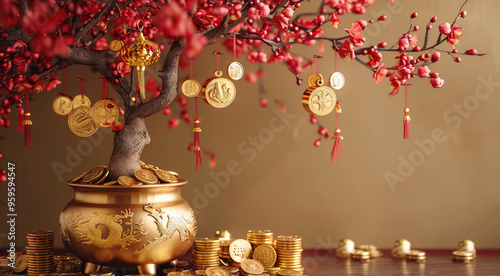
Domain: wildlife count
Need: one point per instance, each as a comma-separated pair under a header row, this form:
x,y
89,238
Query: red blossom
x,y
423,72
335,20
53,83
445,28
346,49
381,73
454,35
437,82
375,58
356,37
101,44
281,22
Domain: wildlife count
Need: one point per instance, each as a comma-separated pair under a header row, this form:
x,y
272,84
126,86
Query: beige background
x,y
289,186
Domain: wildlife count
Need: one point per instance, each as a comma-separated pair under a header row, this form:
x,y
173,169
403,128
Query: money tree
x,y
41,38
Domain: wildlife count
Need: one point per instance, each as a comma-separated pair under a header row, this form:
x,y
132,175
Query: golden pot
x,y
127,225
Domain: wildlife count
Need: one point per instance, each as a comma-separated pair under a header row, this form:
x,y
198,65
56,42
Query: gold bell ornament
x,y
141,53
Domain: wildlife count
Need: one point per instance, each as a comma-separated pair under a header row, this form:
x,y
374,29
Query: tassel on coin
x,y
337,148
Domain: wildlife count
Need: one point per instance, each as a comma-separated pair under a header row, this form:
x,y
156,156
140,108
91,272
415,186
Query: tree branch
x,y
169,77
97,17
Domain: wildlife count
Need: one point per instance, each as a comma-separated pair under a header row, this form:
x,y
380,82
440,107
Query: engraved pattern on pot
x,y
167,225
86,231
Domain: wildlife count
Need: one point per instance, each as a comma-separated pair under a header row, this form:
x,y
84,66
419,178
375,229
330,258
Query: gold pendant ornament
x,y
191,88
218,92
235,70
315,80
141,53
62,105
319,100
105,113
337,80
81,100
80,121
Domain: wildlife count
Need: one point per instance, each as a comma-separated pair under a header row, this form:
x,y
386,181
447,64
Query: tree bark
x,y
127,149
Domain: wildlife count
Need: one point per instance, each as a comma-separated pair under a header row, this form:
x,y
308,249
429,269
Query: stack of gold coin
x,y
259,237
206,253
224,250
289,249
66,263
96,175
360,255
372,249
39,251
463,256
415,255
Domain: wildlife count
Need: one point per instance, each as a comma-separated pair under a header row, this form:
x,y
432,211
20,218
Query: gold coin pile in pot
x,y
147,175
259,237
39,251
66,264
206,253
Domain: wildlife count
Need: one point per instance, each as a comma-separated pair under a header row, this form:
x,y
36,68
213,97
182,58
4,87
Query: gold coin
x,y
320,100
218,92
80,121
126,180
116,45
240,249
105,113
288,272
252,266
235,70
165,176
104,175
360,254
314,80
216,271
94,174
146,176
337,80
110,183
78,100
62,105
415,255
191,88
265,254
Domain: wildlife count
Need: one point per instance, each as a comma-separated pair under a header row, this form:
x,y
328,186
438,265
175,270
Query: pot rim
x,y
179,183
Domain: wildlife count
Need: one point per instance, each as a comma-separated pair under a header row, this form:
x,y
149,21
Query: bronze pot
x,y
127,225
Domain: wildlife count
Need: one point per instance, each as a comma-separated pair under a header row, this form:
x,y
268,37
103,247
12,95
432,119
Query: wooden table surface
x,y
324,262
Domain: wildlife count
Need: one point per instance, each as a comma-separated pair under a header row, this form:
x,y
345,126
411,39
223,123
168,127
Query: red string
x,y
234,46
64,80
218,62
107,89
335,58
191,68
103,88
81,87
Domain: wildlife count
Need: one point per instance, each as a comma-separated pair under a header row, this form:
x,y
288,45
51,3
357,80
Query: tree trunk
x,y
127,149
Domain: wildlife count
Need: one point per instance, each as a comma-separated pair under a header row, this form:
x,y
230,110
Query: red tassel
x,y
196,131
406,118
406,127
20,120
27,121
337,148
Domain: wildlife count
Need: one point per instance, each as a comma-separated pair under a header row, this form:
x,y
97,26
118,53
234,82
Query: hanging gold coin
x,y
80,100
116,45
105,113
337,80
62,105
319,100
191,88
315,80
80,121
218,92
235,70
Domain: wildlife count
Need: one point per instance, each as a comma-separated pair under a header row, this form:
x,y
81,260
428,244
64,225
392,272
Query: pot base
x,y
148,269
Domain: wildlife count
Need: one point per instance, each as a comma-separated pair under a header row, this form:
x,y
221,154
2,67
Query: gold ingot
x,y
319,100
463,256
415,255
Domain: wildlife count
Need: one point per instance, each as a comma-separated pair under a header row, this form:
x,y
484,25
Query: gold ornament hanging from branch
x,y
141,53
